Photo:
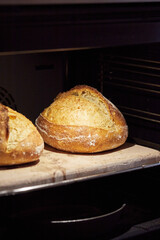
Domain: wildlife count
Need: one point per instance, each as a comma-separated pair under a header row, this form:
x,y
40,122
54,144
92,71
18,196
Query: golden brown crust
x,y
80,139
22,143
82,120
4,128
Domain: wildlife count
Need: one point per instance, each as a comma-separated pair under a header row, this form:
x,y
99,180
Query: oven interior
x,y
129,77
126,74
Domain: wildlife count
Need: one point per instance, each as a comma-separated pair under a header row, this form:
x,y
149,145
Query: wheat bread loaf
x,y
82,120
20,141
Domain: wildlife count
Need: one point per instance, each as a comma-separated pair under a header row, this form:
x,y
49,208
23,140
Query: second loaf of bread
x,y
82,120
20,142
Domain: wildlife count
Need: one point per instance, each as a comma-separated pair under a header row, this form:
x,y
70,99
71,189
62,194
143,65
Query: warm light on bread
x,y
20,142
82,120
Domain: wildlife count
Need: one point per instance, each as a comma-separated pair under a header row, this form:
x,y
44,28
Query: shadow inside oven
x,y
101,208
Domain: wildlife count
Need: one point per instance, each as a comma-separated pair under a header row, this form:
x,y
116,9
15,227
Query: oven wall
x,y
129,76
30,82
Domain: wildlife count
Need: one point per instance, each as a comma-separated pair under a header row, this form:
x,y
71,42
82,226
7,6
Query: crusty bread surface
x,y
20,141
82,120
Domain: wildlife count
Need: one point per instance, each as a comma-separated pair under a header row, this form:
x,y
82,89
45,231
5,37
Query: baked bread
x,y
20,142
82,120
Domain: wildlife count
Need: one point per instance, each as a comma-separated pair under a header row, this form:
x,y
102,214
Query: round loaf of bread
x,y
20,141
82,120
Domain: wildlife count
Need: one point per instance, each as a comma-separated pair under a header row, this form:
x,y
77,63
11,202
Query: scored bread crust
x,y
20,141
82,120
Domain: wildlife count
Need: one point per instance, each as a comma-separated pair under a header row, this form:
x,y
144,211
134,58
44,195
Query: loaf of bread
x,y
82,120
20,141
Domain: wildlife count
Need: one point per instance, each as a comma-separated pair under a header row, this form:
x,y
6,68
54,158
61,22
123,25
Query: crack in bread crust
x,y
4,127
20,141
